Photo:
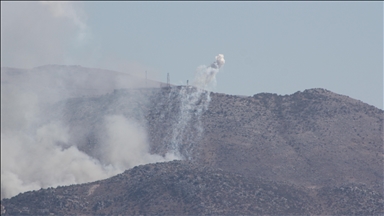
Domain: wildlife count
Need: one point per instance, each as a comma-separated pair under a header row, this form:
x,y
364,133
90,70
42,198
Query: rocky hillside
x,y
312,152
185,188
312,138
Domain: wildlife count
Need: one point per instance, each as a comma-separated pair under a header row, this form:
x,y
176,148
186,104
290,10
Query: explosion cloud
x,y
219,61
206,76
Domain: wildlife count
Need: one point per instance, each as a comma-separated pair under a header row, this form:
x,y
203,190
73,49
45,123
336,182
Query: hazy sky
x,y
276,47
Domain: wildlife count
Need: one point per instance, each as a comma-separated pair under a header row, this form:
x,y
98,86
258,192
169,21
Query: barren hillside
x,y
185,188
312,152
312,138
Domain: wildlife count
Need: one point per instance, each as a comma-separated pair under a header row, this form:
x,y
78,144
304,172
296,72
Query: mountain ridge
x,y
322,151
301,129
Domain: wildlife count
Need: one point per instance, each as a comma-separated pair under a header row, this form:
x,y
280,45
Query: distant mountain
x,y
185,188
73,81
312,152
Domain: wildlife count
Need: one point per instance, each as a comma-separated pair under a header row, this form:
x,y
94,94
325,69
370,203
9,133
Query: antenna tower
x,y
168,80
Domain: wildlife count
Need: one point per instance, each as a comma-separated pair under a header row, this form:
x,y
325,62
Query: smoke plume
x,y
205,77
40,147
41,144
194,101
219,61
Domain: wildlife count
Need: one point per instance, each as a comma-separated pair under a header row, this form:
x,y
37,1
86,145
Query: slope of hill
x,y
312,152
185,188
313,138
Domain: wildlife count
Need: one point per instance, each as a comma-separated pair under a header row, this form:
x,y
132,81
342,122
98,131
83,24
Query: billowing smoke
x,y
43,129
194,101
206,76
51,133
126,144
219,61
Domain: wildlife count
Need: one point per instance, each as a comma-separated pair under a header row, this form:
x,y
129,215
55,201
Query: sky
x,y
274,47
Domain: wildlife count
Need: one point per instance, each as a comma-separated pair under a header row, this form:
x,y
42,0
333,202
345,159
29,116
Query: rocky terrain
x,y
310,153
186,188
313,138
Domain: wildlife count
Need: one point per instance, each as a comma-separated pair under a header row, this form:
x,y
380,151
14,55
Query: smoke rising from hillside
x,y
205,77
187,129
193,102
126,144
40,148
39,145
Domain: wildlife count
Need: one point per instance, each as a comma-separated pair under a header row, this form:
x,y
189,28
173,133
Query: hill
x,y
185,188
312,152
313,138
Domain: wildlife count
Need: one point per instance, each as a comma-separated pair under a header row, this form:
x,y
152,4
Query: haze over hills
x,y
73,81
302,149
31,137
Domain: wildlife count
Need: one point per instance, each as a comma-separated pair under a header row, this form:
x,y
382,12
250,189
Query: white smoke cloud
x,y
219,61
205,77
40,160
30,162
38,151
126,144
193,102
